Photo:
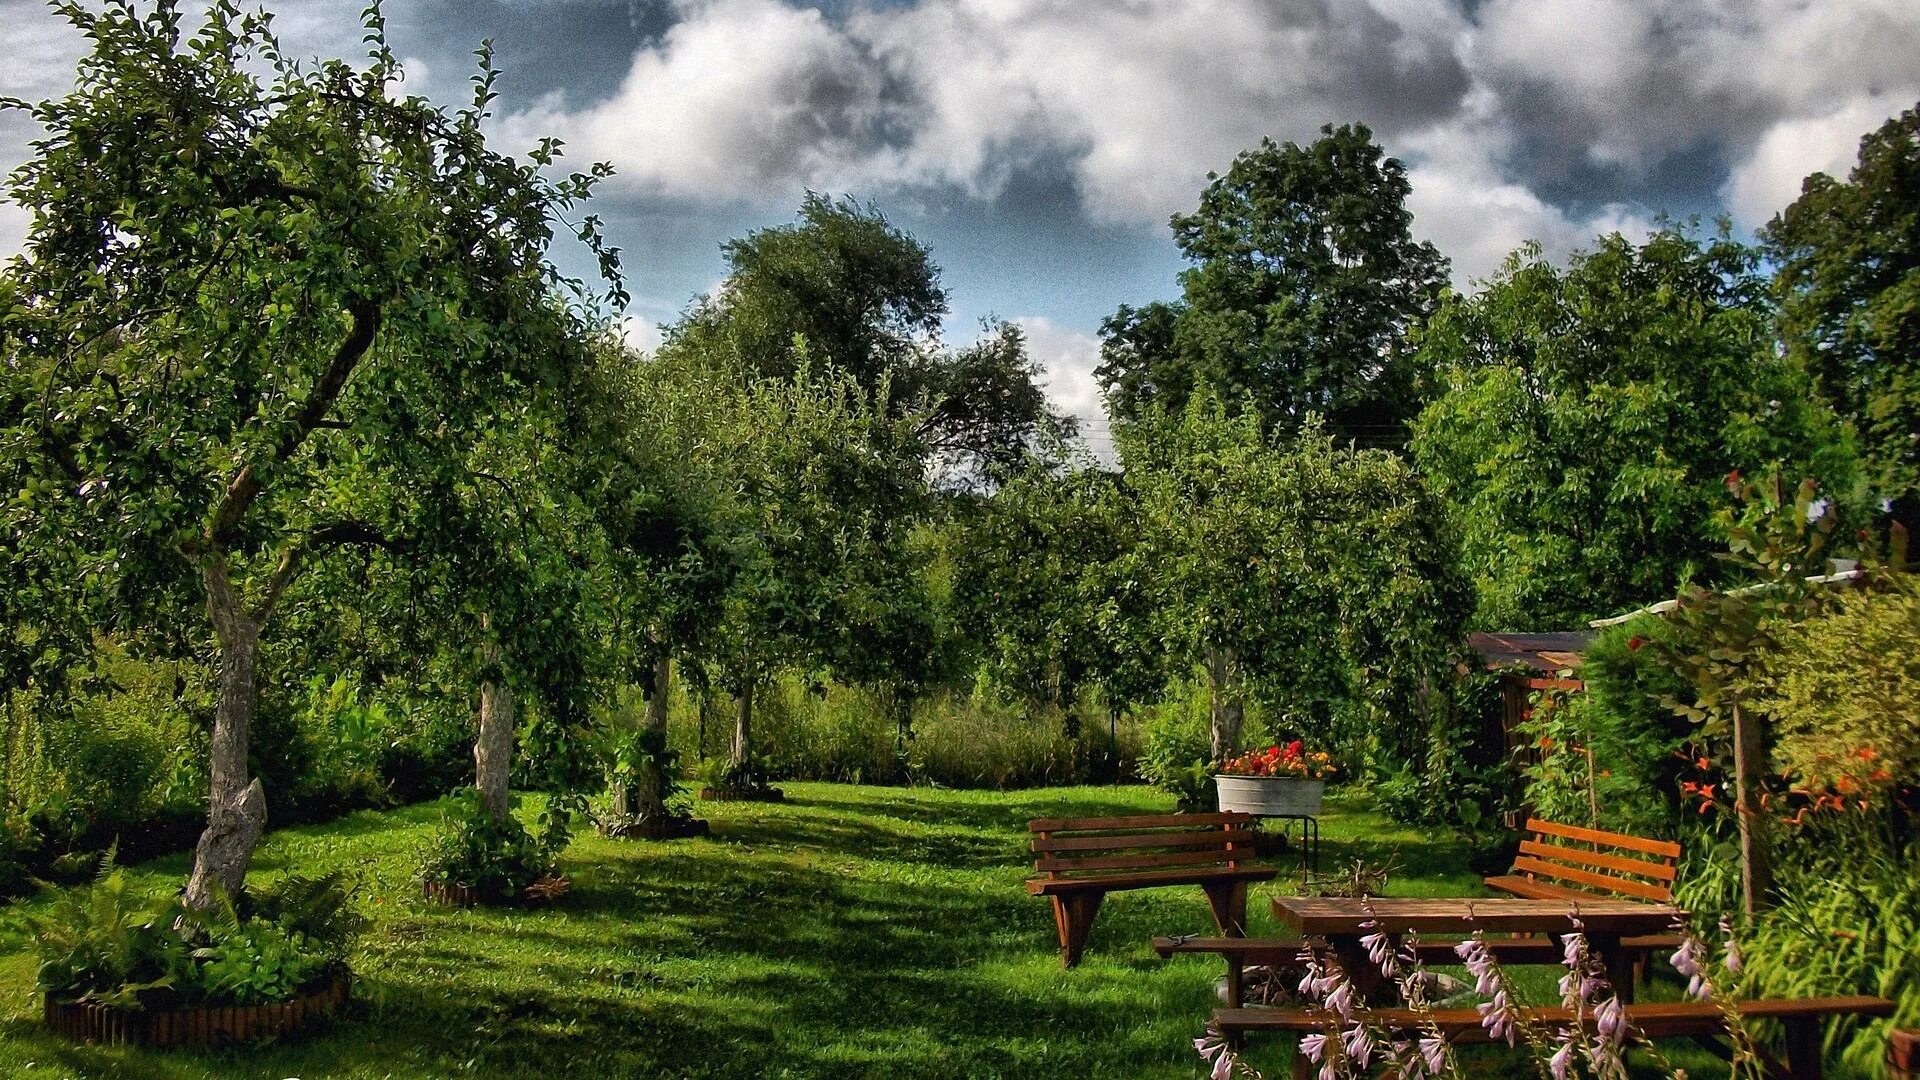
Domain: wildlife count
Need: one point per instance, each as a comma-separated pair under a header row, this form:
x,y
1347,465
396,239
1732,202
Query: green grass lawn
x,y
853,931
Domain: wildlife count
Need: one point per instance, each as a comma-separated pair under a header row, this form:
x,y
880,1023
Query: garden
x,y
405,675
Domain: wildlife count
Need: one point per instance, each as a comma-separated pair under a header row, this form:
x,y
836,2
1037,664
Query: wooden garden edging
x,y
199,1025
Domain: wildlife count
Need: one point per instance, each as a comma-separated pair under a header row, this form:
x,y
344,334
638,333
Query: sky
x,y
1038,147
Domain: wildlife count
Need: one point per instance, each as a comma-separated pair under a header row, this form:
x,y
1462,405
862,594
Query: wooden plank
x,y
1134,862
1216,838
1656,1019
1149,879
1665,848
1148,821
1663,871
1539,890
1526,865
1451,916
1286,953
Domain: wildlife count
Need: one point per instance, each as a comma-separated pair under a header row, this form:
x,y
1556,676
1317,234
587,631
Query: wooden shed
x,y
1529,662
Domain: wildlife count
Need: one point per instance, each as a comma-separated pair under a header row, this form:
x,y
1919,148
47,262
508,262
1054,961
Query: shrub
x,y
1847,922
957,738
495,858
1843,690
109,945
1611,754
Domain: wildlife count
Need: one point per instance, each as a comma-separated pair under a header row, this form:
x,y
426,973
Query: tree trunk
x,y
743,725
650,800
1228,705
493,748
1756,861
236,804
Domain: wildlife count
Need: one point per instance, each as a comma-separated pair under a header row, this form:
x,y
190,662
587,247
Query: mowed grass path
x,y
853,931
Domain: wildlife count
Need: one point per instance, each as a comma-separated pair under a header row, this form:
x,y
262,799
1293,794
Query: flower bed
x,y
195,1025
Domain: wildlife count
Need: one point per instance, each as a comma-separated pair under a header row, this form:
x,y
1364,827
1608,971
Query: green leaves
x,y
1304,284
1589,416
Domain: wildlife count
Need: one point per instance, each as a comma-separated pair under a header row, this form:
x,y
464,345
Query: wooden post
x,y
1749,766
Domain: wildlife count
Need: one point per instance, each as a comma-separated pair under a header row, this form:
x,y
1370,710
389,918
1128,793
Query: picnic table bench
x,y
1568,862
1800,1018
1080,860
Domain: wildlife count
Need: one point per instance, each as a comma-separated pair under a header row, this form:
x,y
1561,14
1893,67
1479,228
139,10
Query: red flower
x,y
1634,643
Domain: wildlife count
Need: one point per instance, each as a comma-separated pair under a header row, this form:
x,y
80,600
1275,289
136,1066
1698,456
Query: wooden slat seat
x,y
1080,860
1113,882
1800,1017
1569,862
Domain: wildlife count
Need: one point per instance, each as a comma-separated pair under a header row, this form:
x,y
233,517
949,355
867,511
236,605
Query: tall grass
x,y
954,738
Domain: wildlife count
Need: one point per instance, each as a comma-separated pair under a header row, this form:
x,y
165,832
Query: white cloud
x,y
738,96
1069,358
1768,178
1140,100
640,334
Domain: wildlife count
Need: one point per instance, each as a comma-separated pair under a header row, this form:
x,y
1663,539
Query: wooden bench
x,y
1081,860
1800,1018
1568,862
1243,952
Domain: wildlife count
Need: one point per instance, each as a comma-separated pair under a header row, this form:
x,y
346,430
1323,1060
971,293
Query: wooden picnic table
x,y
1342,922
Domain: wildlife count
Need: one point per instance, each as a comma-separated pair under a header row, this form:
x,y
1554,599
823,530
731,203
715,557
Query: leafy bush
x,y
963,738
1611,754
1175,758
1847,922
107,944
110,945
251,961
496,858
1461,777
1843,690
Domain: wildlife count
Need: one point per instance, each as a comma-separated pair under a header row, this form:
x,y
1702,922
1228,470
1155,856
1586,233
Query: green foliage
x,y
254,963
843,291
1304,283
1847,921
266,311
1588,416
1843,690
1177,758
1047,576
496,858
1610,755
959,737
1321,577
110,944
1848,284
107,944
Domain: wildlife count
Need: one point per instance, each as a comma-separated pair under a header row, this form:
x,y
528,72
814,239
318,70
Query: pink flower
x,y
1561,1064
1314,1046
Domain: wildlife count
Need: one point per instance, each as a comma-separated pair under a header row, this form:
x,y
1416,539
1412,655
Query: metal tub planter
x,y
1271,796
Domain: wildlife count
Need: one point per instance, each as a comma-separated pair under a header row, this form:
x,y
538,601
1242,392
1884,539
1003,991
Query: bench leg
x,y
1073,917
1228,899
1803,1047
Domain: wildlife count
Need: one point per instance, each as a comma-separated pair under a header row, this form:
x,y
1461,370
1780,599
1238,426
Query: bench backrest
x,y
1594,860
1086,847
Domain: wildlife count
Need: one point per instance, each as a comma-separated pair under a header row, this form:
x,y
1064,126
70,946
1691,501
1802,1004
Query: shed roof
x,y
1542,652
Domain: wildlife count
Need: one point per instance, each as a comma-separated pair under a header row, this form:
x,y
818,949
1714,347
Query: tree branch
x,y
247,484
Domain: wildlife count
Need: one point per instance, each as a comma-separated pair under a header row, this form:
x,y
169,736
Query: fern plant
x,y
107,944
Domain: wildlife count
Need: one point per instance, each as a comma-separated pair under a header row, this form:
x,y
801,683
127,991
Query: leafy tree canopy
x,y
253,292
845,290
1305,281
1848,282
1591,416
1319,577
